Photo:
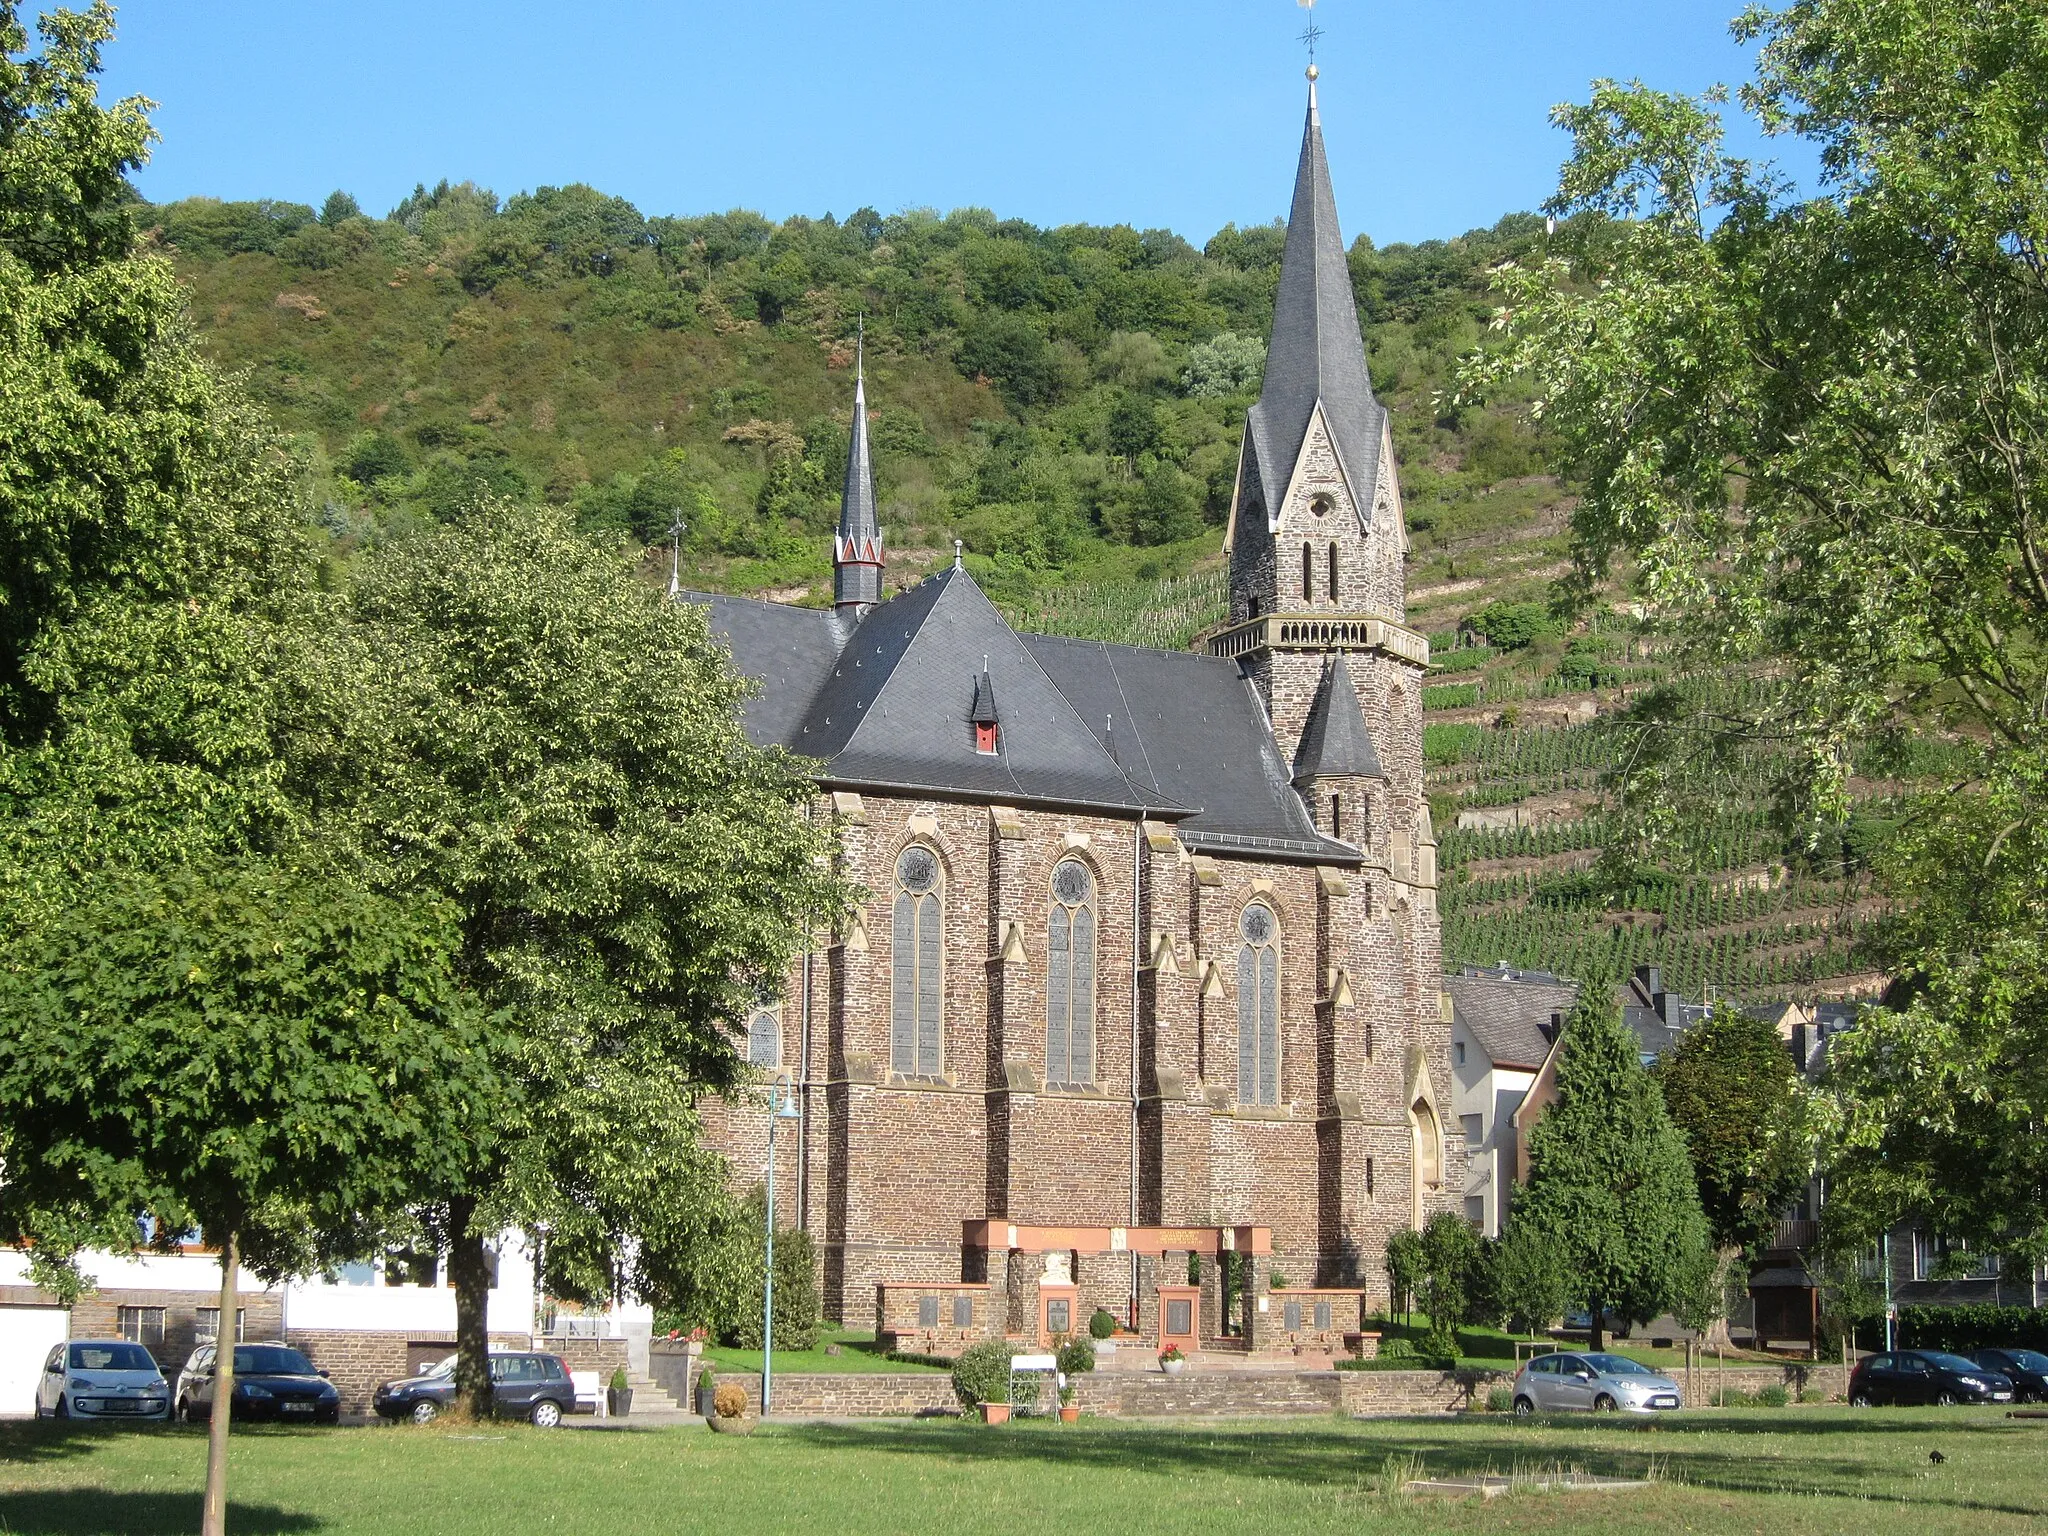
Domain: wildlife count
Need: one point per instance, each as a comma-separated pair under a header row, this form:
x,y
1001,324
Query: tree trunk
x,y
1596,1336
213,1519
471,1277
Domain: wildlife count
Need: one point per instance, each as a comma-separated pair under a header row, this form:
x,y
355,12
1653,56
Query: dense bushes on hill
x,y
1051,395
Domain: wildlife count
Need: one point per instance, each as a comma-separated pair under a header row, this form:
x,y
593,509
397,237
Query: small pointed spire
x,y
959,562
676,530
857,551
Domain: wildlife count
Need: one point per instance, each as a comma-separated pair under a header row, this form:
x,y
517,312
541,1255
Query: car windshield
x,y
1617,1365
2028,1360
111,1357
1955,1363
440,1367
270,1360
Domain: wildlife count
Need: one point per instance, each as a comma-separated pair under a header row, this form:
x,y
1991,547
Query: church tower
x,y
1318,574
857,548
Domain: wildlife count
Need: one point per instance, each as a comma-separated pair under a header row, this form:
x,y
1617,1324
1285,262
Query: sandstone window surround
x,y
764,1038
1258,1005
917,953
1070,977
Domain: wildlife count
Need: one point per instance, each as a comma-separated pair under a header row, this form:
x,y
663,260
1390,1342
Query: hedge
x,y
1977,1326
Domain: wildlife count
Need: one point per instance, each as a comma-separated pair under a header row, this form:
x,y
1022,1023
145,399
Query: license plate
x,y
296,1407
1663,1402
2001,1397
120,1405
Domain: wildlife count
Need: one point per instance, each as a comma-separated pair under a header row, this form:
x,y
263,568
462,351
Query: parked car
x,y
102,1379
2028,1369
527,1386
1600,1383
272,1381
1908,1376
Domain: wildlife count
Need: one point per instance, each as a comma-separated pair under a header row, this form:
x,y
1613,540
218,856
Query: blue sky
x,y
1181,113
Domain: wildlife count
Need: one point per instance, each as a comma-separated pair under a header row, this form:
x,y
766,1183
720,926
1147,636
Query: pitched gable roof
x,y
1514,1017
1317,356
1334,740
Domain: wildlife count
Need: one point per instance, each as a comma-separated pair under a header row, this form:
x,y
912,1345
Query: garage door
x,y
26,1334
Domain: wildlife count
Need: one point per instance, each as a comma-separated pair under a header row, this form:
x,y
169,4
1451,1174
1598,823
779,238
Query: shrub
x,y
1102,1324
1513,625
620,1381
1277,1281
730,1400
1773,1397
982,1374
1812,1395
1500,1400
1075,1357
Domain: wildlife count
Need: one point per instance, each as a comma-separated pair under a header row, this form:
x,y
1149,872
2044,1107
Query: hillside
x,y
1068,403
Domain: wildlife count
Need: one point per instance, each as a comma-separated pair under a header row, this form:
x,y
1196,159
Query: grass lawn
x,y
1789,1472
858,1351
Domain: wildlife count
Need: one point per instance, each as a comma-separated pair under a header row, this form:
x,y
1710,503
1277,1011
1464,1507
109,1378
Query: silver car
x,y
102,1379
1592,1383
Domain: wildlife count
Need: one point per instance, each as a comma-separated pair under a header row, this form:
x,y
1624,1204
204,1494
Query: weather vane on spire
x,y
1311,35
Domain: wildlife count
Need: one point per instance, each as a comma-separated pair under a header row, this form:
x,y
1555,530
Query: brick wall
x,y
98,1316
900,1312
359,1361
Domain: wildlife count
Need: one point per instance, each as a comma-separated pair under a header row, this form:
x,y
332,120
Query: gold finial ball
x,y
1313,72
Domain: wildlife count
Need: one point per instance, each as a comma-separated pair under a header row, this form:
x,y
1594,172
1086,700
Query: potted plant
x,y
707,1384
1070,1411
1172,1361
981,1380
729,1410
618,1397
1100,1327
1074,1358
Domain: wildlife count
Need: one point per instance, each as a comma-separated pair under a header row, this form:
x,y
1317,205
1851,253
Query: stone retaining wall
x,y
1228,1393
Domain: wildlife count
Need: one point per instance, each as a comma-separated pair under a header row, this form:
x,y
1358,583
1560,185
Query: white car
x,y
102,1379
1594,1383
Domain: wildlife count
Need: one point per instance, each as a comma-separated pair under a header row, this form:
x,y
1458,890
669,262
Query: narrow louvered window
x,y
1333,573
917,994
1336,815
1308,572
1258,1006
1070,976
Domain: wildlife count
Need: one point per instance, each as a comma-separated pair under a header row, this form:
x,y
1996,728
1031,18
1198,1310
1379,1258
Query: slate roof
x,y
1316,353
1191,728
1658,1017
1513,1015
1174,735
1334,740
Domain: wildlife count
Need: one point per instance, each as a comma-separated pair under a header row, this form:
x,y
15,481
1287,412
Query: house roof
x,y
1317,355
1513,1015
1334,740
888,703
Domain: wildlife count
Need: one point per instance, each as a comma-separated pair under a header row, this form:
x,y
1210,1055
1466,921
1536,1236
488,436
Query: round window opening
x,y
1256,925
1322,504
1070,882
917,870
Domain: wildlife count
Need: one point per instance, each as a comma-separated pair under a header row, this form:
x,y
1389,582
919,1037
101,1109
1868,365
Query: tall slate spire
x,y
857,550
1317,355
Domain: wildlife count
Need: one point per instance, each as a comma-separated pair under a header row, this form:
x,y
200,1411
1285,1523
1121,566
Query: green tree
x,y
1529,1282
1816,428
559,752
274,1058
1611,1190
1407,1263
1450,1282
1732,1090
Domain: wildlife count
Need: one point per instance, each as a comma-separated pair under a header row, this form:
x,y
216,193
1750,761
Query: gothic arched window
x,y
764,1038
1333,571
1258,1006
1070,976
918,943
1308,572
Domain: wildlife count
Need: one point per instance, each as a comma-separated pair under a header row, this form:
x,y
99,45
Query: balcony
x,y
1796,1233
1321,632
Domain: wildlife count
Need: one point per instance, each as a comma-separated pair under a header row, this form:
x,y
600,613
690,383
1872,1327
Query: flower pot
x,y
706,1391
1173,1367
740,1426
995,1413
1070,1413
618,1401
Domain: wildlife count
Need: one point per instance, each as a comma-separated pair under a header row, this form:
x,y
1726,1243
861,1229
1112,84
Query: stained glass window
x,y
1070,976
1258,1006
918,954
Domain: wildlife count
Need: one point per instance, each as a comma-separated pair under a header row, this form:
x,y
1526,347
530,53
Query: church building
x,y
1142,1012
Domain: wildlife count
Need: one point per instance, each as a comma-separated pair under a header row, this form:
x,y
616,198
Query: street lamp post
x,y
781,1106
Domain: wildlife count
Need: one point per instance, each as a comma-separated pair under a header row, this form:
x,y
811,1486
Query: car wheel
x,y
1604,1404
1524,1407
1945,1400
1859,1399
546,1414
63,1409
425,1413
